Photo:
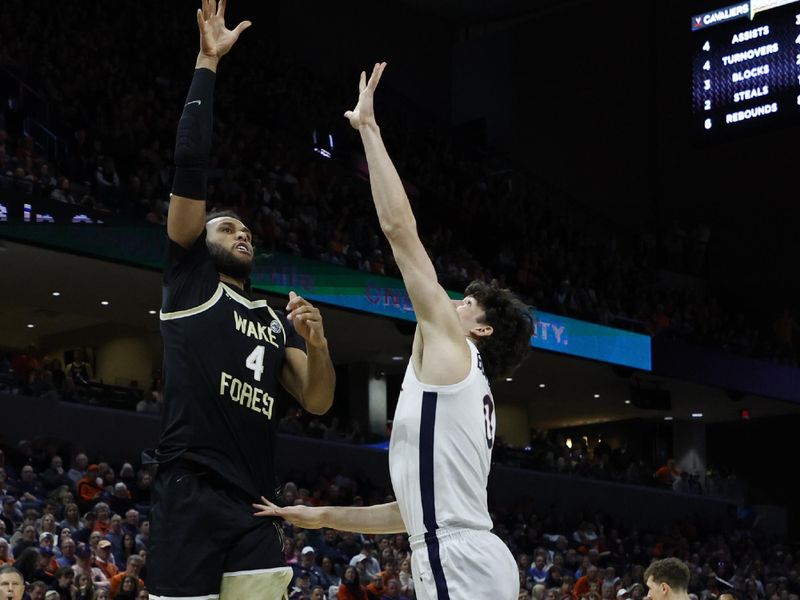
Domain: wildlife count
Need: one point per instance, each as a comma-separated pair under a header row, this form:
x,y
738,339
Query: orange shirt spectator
x,y
667,474
103,560
87,487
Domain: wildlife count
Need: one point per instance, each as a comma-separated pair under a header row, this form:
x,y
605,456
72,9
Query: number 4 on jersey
x,y
255,362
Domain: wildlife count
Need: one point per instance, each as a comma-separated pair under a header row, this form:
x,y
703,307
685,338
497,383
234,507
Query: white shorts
x,y
463,564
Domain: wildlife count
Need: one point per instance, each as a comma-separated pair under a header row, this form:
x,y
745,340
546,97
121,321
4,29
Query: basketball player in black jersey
x,y
225,355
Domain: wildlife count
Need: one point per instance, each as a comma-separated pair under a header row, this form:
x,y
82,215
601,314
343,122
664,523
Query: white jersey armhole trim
x,y
452,387
180,314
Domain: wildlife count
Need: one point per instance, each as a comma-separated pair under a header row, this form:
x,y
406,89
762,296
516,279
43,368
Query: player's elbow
x,y
318,405
398,229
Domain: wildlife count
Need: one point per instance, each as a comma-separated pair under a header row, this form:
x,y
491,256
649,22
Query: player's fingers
x,y
212,8
221,9
268,503
241,27
207,13
377,70
362,82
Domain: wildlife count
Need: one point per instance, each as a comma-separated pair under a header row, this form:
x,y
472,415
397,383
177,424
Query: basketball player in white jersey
x,y
444,425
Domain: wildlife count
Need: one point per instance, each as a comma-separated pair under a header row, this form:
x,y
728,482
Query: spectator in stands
x,y
584,583
88,487
28,540
392,591
308,565
104,559
5,554
114,535
133,569
83,566
129,547
54,476
29,488
538,572
103,523
64,583
67,558
666,474
79,468
85,532
143,537
121,500
72,518
10,513
128,589
79,371
84,588
351,588
131,522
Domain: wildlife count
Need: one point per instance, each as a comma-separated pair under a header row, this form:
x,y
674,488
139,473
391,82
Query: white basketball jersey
x,y
440,451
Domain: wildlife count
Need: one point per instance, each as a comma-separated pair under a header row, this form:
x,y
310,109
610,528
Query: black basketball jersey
x,y
223,353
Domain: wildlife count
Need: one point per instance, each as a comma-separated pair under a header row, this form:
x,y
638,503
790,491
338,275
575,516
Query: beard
x,y
229,264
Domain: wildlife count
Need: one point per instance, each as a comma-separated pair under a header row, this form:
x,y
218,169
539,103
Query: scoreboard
x,y
745,67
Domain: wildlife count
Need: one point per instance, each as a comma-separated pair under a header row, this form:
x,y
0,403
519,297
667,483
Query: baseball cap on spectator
x,y
83,550
44,535
357,559
307,549
622,592
103,544
3,541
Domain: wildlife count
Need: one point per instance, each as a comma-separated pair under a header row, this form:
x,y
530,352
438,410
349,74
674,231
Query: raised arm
x,y
187,208
380,518
447,352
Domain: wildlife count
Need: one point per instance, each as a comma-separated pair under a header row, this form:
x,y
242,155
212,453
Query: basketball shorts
x,y
205,543
463,564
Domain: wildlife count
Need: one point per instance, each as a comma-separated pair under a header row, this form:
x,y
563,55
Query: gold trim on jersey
x,y
180,314
234,295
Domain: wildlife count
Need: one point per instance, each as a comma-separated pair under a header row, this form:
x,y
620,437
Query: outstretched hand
x,y
364,112
216,40
307,320
307,517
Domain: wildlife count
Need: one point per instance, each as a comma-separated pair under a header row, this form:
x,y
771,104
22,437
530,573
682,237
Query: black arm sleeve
x,y
193,140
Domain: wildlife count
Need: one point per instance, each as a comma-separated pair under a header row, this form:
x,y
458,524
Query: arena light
x,y
104,302
152,312
569,442
697,415
542,386
627,401
668,418
597,395
398,358
509,379
56,293
30,325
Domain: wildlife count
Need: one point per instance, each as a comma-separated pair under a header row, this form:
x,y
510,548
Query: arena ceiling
x,y
30,275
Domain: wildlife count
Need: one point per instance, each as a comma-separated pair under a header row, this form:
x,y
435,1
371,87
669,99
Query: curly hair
x,y
512,324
